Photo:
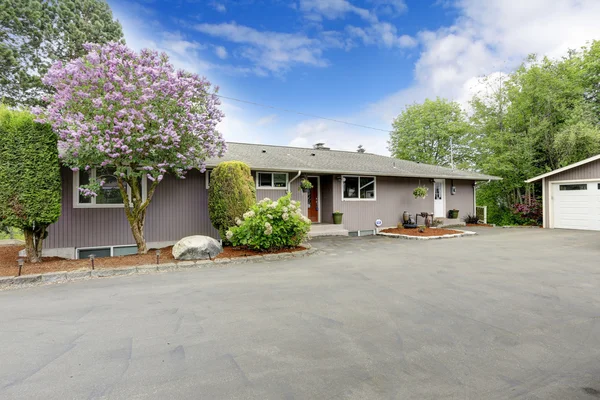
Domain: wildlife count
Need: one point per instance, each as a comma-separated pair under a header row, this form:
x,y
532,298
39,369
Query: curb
x,y
409,237
23,281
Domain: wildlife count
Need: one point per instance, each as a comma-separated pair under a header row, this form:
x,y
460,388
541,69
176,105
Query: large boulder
x,y
197,248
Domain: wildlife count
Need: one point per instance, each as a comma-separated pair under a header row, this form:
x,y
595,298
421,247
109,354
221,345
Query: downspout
x,y
292,180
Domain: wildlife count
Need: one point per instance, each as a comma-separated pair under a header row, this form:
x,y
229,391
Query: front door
x,y
313,199
439,198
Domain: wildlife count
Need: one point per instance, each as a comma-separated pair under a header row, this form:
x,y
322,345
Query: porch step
x,y
327,230
452,222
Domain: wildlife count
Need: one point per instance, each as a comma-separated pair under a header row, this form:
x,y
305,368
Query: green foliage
x,y
232,192
420,192
422,132
271,225
305,185
471,219
30,185
36,33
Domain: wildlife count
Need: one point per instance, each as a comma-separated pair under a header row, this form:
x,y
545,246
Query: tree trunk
x,y
33,244
137,229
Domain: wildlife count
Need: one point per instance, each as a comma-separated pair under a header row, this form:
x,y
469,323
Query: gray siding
x,y
393,197
86,227
179,208
462,200
275,194
587,171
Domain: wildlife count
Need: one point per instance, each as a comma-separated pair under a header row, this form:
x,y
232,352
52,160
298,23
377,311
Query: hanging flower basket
x,y
420,192
305,185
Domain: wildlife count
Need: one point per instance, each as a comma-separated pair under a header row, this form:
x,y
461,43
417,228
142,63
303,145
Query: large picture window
x,y
109,195
358,187
271,180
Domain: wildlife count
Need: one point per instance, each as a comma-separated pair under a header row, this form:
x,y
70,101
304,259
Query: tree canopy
x,y
132,112
36,33
542,116
423,132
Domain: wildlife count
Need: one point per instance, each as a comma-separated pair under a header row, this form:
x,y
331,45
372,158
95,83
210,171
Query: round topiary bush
x,y
230,195
271,225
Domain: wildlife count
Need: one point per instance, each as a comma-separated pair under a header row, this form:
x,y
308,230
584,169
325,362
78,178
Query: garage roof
x,y
568,167
293,159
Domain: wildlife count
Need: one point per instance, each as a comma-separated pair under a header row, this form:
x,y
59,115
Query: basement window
x,y
271,180
108,251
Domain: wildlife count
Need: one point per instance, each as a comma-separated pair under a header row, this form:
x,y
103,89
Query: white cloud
x,y
491,37
337,136
376,32
220,7
221,52
271,51
267,120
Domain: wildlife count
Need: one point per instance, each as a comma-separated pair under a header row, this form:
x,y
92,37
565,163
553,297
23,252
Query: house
x,y
365,187
571,195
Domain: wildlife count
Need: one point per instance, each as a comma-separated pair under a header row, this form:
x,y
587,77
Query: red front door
x,y
313,200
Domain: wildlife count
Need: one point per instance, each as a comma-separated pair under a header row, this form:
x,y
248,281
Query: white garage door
x,y
576,205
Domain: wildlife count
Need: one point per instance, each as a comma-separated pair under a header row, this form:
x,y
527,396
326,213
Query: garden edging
x,y
16,282
410,237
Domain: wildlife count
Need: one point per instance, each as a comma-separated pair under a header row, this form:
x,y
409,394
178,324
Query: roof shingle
x,y
293,159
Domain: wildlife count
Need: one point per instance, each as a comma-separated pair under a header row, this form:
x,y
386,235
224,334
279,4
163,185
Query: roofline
x,y
367,173
304,148
568,167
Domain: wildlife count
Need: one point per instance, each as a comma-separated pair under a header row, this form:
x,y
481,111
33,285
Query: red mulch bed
x,y
415,231
9,255
484,225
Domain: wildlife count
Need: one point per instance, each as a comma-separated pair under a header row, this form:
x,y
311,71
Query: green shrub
x,y
230,195
271,225
30,187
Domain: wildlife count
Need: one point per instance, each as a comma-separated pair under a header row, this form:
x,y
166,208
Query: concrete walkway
x,y
506,314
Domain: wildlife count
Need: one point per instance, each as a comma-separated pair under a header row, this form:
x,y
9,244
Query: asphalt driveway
x,y
507,314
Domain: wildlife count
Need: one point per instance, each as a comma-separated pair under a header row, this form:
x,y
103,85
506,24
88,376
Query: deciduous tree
x,y
135,113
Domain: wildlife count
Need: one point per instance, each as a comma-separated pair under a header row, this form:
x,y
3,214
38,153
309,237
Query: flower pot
x,y
337,218
453,214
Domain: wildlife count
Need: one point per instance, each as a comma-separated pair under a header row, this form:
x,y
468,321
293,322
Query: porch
x,y
327,230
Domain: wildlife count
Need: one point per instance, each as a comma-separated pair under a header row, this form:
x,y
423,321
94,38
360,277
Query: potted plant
x,y
337,217
453,214
305,185
420,192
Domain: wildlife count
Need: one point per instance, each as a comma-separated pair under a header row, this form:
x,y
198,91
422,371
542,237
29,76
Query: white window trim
x,y
77,204
111,248
206,181
287,180
359,176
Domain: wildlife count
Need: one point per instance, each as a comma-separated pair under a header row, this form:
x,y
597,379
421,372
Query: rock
x,y
197,248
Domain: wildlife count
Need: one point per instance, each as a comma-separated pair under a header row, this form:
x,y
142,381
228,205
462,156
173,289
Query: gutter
x,y
292,180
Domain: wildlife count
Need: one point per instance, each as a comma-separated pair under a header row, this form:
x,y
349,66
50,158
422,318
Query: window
x,y
108,251
358,187
109,195
207,177
271,180
580,186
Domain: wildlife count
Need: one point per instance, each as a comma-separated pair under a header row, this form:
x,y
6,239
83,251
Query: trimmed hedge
x,y
30,184
231,193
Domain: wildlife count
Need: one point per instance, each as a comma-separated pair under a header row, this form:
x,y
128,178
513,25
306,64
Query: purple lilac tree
x,y
135,114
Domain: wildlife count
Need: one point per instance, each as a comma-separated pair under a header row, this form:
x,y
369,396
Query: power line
x,y
304,114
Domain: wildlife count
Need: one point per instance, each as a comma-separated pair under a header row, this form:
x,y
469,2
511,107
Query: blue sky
x,y
356,61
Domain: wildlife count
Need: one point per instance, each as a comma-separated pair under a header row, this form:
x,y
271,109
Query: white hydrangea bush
x,y
271,225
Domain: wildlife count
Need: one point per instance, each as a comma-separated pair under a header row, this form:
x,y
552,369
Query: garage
x,y
571,195
576,205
